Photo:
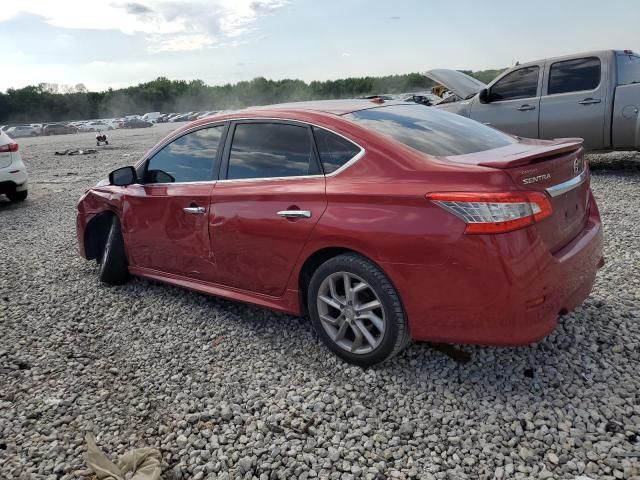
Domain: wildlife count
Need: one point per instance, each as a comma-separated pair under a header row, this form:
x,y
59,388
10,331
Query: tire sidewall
x,y
390,305
113,264
108,246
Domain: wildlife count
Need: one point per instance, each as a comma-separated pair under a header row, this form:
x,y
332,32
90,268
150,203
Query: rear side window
x,y
628,69
521,83
335,151
270,150
430,130
574,75
190,158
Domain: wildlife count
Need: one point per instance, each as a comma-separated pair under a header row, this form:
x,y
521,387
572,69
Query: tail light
x,y
9,147
494,212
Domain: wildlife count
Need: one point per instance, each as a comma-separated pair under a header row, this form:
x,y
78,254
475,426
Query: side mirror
x,y
484,96
123,176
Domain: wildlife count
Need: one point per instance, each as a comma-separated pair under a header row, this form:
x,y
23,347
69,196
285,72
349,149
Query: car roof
x,y
335,107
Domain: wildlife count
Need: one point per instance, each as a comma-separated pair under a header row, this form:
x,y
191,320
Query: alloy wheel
x,y
351,312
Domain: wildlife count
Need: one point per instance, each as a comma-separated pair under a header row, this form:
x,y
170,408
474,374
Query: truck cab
x,y
595,96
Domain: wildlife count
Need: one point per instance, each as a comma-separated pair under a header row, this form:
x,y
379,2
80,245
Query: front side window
x,y
190,158
335,151
521,83
628,69
270,150
574,75
430,130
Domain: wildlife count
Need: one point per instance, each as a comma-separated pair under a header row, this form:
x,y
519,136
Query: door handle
x,y
295,213
524,108
195,210
589,101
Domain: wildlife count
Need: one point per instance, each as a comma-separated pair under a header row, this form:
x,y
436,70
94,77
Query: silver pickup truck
x,y
595,96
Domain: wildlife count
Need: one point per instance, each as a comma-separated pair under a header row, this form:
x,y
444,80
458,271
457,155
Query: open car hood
x,y
459,83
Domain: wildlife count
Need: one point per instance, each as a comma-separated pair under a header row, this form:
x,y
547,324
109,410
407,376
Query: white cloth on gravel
x,y
143,463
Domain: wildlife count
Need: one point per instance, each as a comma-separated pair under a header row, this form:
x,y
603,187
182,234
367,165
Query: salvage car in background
x,y
20,131
135,123
96,126
58,129
595,96
384,222
151,116
13,173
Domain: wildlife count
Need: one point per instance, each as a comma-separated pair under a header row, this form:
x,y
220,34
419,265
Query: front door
x,y
165,218
271,196
576,100
514,103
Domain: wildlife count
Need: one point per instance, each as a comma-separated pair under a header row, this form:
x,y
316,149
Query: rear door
x,y
271,195
514,103
165,219
575,100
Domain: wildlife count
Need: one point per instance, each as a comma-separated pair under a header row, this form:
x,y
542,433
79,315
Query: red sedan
x,y
384,222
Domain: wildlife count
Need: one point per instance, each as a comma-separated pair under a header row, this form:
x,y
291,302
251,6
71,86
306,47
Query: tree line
x,y
51,102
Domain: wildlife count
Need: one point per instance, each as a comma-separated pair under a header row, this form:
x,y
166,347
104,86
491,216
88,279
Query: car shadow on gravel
x,y
569,356
579,353
6,205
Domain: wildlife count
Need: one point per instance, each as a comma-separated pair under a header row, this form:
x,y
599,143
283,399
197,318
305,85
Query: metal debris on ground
x,y
77,151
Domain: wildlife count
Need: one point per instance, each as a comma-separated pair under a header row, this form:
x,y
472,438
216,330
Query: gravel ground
x,y
227,390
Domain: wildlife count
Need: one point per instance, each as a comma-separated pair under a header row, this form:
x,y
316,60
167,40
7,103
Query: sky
x,y
112,44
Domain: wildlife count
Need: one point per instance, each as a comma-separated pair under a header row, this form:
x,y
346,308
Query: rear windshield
x,y
430,130
628,69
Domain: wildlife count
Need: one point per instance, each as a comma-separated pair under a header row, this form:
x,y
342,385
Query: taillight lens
x,y
494,212
9,147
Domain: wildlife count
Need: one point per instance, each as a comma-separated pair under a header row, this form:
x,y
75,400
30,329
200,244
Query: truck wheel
x,y
113,263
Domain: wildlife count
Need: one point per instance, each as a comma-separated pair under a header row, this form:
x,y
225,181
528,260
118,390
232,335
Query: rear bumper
x,y
13,177
12,186
506,290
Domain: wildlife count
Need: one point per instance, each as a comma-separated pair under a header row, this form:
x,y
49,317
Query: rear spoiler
x,y
560,146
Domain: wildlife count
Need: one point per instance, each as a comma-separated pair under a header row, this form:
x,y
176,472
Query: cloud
x,y
180,43
345,54
137,9
170,25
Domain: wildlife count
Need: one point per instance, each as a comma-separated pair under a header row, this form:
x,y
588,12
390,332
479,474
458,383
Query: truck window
x,y
521,83
574,75
628,69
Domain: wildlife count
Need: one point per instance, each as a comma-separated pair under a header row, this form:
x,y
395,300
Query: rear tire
x,y
364,326
113,263
18,196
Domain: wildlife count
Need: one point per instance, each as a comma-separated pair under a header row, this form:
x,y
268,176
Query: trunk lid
x,y
555,167
459,83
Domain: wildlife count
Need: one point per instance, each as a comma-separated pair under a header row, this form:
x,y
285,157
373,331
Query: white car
x,y
13,173
22,131
95,126
151,117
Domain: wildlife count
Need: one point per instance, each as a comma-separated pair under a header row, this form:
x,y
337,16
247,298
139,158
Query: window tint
x,y
334,150
521,83
268,150
430,130
628,69
189,158
574,75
